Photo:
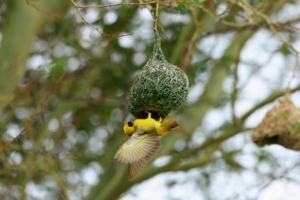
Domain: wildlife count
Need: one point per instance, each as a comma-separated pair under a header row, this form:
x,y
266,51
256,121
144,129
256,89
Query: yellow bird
x,y
144,143
161,127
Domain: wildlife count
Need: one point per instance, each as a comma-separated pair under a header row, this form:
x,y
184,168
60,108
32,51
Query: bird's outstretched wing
x,y
136,167
138,147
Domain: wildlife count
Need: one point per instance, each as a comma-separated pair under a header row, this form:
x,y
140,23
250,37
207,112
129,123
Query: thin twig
x,y
168,4
247,10
156,15
273,29
28,123
141,4
294,72
234,95
95,28
250,10
240,24
195,37
42,10
266,101
188,54
111,5
153,17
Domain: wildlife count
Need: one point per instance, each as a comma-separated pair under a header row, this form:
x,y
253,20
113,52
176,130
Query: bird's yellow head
x,y
128,128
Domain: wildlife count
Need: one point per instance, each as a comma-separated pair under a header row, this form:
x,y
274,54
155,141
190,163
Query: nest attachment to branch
x,y
160,87
281,125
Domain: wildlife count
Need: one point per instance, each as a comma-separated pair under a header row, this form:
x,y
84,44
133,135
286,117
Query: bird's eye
x,y
130,124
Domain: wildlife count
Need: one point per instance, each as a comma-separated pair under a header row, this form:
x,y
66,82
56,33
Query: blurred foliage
x,y
182,7
67,152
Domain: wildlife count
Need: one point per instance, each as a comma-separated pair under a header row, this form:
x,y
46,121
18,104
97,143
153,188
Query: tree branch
x,y
29,122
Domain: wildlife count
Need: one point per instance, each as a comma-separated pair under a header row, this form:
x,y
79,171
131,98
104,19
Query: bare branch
x,y
42,10
95,28
265,102
29,122
294,71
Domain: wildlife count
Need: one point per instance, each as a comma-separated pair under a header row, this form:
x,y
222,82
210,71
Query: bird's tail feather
x,y
170,124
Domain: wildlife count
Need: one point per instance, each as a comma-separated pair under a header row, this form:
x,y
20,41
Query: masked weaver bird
x,y
143,143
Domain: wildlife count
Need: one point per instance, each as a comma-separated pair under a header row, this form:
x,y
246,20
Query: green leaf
x,y
295,128
57,66
198,3
181,7
285,50
56,70
52,78
283,114
296,125
157,87
211,15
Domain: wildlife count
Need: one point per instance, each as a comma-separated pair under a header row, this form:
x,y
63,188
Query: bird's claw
x,y
160,119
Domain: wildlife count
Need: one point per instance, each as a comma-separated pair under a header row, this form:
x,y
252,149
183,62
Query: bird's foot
x,y
160,119
149,113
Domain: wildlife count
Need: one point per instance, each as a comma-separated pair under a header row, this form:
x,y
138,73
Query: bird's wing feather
x,y
136,167
138,147
151,154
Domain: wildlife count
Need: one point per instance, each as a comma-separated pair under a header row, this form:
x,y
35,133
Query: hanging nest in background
x,y
281,125
159,88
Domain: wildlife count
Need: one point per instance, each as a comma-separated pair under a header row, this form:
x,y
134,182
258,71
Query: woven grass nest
x,y
281,125
159,88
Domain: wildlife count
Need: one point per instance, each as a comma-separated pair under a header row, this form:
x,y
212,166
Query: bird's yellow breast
x,y
146,124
